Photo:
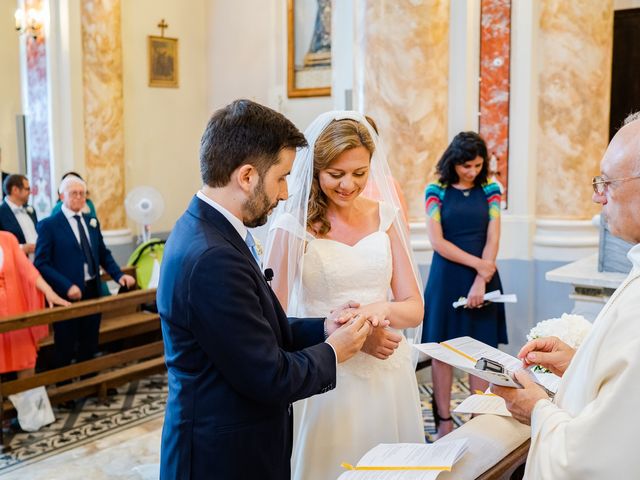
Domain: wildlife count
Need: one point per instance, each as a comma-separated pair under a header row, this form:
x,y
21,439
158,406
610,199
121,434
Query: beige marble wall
x,y
575,44
400,79
103,109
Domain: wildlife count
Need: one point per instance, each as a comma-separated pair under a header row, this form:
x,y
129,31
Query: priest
x,y
588,430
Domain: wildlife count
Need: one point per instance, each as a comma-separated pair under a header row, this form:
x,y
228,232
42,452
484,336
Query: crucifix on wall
x,y
163,59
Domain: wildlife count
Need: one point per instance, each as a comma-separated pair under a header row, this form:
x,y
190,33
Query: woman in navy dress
x,y
463,223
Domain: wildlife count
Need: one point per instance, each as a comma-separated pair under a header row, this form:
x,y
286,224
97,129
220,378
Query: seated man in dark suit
x,y
16,215
69,253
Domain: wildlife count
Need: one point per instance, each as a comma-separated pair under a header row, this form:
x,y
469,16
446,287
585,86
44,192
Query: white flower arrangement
x,y
93,222
259,247
571,329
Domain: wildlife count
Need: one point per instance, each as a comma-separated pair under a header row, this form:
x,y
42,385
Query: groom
x,y
235,362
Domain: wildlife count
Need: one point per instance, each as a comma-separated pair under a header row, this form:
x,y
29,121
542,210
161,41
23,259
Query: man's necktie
x,y
251,243
86,247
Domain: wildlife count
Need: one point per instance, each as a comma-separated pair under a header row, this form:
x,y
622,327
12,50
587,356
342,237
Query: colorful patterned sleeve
x,y
433,200
494,197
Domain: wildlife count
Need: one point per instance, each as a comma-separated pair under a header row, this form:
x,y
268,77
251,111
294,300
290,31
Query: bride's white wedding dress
x,y
375,401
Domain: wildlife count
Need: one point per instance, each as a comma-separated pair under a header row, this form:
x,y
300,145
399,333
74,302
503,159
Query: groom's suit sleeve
x,y
227,318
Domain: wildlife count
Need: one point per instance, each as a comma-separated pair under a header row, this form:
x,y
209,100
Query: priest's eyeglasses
x,y
601,184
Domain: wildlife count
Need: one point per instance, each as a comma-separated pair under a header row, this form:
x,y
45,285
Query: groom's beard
x,y
257,208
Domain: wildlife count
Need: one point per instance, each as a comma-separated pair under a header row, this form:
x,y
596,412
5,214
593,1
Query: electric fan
x,y
144,205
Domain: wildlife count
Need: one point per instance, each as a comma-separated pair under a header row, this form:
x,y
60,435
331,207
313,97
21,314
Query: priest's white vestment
x,y
591,430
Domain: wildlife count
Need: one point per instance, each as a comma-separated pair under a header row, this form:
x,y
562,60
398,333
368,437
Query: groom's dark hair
x,y
244,132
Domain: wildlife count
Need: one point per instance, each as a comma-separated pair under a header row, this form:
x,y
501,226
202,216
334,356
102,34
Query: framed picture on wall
x,y
309,48
163,62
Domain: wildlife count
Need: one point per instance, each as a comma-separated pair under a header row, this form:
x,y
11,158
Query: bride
x,y
341,236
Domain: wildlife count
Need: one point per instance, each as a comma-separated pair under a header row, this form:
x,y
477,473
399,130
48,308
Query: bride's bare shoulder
x,y
368,206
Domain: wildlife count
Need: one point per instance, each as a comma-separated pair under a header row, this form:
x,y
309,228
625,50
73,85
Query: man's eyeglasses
x,y
76,193
601,184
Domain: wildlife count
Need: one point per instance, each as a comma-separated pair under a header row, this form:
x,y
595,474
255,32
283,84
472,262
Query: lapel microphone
x,y
268,274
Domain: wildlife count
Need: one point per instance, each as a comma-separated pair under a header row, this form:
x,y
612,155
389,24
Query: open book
x,y
406,461
464,352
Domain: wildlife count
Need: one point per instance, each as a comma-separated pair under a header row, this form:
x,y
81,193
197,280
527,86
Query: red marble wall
x,y
37,119
495,50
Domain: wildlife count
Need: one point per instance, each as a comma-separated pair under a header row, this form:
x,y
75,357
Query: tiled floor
x,y
132,454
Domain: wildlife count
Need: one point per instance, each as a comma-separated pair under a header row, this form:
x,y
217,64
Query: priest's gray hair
x,y
68,180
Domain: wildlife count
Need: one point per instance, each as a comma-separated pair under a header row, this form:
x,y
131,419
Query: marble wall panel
x,y
103,109
37,118
400,79
575,45
495,62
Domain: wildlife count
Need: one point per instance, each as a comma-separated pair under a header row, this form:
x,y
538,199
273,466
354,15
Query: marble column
x,y
400,79
495,63
103,109
37,117
575,45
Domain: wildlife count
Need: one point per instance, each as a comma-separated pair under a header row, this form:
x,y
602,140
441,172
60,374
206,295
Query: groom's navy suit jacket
x,y
235,361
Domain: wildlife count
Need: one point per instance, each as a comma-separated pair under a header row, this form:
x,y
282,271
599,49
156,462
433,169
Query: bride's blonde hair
x,y
338,137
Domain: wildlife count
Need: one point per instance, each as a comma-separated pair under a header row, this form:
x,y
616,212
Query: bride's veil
x,y
287,234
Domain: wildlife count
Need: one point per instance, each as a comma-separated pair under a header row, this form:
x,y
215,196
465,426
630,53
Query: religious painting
x,y
163,62
309,48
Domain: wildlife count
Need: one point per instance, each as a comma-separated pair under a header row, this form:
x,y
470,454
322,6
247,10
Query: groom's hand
x,y
349,338
381,343
340,315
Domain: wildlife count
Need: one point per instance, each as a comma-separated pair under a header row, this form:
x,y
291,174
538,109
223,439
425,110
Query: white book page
x,y
483,403
463,352
439,454
495,297
477,350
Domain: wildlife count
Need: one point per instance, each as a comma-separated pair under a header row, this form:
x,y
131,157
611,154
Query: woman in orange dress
x,y
21,290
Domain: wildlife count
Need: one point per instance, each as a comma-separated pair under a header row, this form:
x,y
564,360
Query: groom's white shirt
x,y
233,220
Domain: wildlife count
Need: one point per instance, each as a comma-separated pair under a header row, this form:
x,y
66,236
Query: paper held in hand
x,y
496,297
464,353
406,461
482,403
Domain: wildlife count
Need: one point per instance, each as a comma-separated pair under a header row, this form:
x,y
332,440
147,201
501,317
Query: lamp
x,y
28,22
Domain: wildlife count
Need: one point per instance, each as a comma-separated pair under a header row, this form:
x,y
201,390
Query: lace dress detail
x,y
375,401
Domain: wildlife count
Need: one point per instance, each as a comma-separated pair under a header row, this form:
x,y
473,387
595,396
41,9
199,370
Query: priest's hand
x,y
381,343
521,401
548,352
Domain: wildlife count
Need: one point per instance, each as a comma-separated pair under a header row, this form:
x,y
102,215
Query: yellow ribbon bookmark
x,y
459,352
480,392
348,466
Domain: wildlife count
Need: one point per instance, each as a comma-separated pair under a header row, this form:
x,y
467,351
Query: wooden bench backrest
x,y
79,309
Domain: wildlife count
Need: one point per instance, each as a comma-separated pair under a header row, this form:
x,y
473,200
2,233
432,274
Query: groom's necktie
x,y
86,247
251,243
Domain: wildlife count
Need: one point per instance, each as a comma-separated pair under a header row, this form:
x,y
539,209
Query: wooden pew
x,y
107,371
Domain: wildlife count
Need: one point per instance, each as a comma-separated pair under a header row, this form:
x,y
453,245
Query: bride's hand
x,y
381,343
377,313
